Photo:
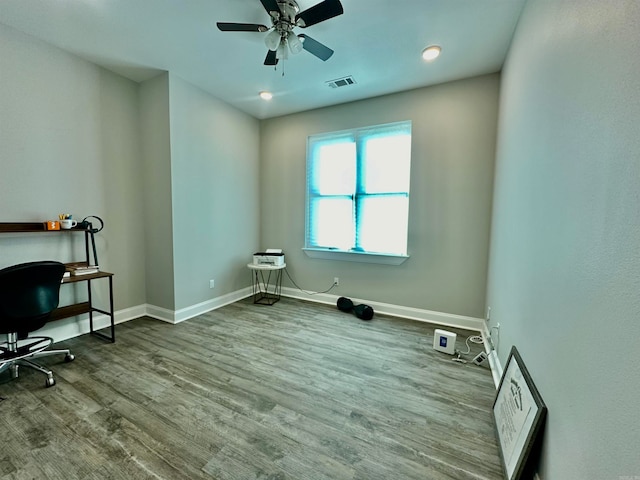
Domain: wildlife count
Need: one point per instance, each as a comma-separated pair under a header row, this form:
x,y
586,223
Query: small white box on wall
x,y
444,341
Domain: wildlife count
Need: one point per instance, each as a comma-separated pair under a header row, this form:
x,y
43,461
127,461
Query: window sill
x,y
362,257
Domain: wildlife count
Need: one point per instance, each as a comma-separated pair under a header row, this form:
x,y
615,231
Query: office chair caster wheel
x,y
69,357
49,382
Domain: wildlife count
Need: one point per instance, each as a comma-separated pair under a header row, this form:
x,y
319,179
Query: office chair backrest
x,y
29,291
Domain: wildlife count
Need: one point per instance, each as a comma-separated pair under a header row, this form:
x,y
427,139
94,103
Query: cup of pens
x,y
67,221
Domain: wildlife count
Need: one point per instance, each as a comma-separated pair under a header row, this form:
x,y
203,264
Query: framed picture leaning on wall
x,y
519,414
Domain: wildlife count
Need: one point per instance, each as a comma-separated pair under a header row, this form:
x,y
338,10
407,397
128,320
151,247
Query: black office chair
x,y
29,292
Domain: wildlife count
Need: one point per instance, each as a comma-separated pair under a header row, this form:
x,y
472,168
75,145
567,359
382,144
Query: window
x,y
358,190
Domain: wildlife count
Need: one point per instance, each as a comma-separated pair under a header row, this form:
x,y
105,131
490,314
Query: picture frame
x,y
519,413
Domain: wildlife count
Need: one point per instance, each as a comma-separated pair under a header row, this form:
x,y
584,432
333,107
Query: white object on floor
x,y
444,341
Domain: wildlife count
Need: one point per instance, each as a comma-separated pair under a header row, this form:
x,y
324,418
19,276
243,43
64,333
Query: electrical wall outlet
x,y
212,283
336,281
488,314
494,336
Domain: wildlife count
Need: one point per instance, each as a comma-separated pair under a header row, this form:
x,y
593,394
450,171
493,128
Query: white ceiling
x,y
378,42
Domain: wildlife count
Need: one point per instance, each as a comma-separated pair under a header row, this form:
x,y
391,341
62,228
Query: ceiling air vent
x,y
341,82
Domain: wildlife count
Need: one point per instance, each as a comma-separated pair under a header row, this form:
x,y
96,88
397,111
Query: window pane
x,y
331,223
383,223
387,164
333,168
371,165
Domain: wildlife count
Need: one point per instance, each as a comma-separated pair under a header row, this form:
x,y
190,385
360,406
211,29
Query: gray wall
x,y
69,143
214,180
565,270
453,150
157,224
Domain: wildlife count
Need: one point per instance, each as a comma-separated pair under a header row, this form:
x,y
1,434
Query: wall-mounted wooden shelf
x,y
33,227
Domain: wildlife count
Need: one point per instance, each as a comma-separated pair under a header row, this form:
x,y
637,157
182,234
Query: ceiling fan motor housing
x,y
289,9
285,20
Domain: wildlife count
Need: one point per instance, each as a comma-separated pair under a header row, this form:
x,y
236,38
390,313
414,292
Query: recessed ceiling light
x,y
266,95
431,53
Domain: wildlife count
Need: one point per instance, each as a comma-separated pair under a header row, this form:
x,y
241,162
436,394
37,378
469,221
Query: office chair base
x,y
15,349
13,354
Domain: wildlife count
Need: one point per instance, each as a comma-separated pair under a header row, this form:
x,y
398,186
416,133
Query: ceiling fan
x,y
285,16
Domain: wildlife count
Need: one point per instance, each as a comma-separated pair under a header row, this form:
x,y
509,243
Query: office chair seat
x,y
29,293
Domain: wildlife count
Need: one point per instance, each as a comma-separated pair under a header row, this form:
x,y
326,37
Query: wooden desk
x,y
77,308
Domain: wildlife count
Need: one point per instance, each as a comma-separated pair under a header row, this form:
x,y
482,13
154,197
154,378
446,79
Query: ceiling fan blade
x,y
270,6
315,47
271,59
319,13
241,27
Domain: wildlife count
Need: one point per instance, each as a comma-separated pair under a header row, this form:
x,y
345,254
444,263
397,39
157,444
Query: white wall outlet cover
x,y
444,341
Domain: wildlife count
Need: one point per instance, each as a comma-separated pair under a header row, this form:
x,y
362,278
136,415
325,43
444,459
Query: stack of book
x,y
80,269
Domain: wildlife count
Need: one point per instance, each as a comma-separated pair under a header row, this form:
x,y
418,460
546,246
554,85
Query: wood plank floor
x,y
295,391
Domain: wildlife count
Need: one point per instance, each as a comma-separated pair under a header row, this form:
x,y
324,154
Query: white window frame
x,y
353,254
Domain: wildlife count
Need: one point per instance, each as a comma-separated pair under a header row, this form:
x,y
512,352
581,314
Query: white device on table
x,y
272,256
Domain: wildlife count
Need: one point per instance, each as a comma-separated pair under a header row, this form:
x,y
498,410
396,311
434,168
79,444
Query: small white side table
x,y
266,292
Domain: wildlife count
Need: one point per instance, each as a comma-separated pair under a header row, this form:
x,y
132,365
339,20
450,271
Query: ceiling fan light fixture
x,y
282,53
264,95
272,40
295,45
431,53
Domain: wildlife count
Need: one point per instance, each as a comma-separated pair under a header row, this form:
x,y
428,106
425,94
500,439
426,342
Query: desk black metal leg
x,y
113,324
110,313
90,303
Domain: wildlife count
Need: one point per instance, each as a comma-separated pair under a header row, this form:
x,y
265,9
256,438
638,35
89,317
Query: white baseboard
x,y
439,318
183,314
67,328
213,304
494,361
159,313
75,326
